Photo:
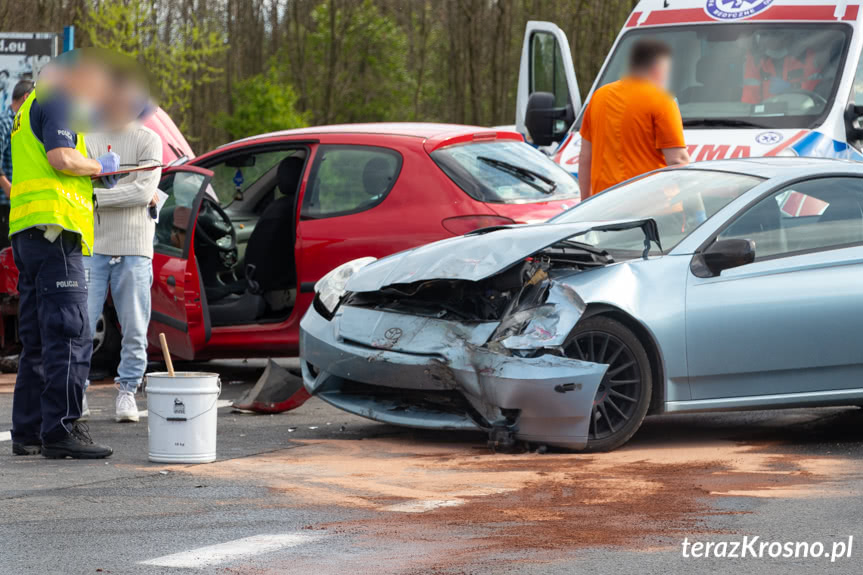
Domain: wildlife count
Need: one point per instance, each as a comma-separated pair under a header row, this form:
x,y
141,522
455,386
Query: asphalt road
x,y
318,491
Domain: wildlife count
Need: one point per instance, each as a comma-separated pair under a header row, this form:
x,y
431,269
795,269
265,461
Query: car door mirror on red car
x,y
722,255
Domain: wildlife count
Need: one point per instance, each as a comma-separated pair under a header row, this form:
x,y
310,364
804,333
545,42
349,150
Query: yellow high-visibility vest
x,y
42,195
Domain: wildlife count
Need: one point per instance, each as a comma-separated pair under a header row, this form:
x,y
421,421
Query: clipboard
x,y
126,171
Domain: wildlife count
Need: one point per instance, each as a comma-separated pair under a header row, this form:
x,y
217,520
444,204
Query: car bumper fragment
x,y
440,374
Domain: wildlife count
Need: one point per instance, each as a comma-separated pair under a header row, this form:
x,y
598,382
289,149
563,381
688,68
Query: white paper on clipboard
x,y
160,203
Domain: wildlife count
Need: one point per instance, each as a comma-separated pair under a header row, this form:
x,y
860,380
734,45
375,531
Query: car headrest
x,y
377,176
289,174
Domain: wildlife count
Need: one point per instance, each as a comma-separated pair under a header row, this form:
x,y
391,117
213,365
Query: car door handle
x,y
172,281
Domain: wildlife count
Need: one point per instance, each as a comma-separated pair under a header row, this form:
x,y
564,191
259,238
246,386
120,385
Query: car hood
x,y
480,254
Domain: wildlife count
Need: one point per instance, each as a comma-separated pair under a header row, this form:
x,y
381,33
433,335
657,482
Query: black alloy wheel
x,y
623,397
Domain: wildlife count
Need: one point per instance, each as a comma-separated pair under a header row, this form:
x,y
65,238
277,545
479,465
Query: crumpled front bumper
x,y
437,374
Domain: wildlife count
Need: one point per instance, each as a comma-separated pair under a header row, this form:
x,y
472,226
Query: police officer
x,y
50,224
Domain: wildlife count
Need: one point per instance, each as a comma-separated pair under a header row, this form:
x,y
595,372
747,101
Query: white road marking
x,y
219,403
421,506
5,436
231,550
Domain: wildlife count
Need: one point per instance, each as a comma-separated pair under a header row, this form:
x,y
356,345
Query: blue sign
x,y
768,138
238,178
736,9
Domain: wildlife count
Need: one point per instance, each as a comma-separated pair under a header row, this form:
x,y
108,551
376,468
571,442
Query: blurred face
x,y
126,103
660,73
774,44
85,84
87,81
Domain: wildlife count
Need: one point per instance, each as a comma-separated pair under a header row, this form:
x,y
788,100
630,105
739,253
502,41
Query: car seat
x,y
845,217
269,253
377,178
763,225
713,74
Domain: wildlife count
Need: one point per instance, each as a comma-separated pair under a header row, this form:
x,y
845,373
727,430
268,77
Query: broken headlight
x,y
330,288
528,328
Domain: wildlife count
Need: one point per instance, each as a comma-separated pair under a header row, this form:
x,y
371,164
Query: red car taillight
x,y
461,225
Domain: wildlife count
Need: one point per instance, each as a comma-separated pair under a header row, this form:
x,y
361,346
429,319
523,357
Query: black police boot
x,y
76,445
27,448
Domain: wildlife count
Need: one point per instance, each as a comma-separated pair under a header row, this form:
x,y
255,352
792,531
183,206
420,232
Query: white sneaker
x,y
85,408
127,409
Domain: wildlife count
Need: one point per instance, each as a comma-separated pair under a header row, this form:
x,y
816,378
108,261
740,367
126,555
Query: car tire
x,y
107,342
623,397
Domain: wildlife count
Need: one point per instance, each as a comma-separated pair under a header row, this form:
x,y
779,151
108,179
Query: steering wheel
x,y
215,230
780,98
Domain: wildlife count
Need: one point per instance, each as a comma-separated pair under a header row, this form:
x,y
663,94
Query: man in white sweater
x,y
123,253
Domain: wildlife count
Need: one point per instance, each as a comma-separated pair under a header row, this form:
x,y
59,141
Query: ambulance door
x,y
548,99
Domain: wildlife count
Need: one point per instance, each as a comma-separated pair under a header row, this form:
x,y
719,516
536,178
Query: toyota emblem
x,y
393,334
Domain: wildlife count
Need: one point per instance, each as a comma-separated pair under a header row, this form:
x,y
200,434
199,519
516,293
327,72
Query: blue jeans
x,y
130,279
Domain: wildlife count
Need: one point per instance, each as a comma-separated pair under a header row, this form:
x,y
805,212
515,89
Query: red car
x,y
249,227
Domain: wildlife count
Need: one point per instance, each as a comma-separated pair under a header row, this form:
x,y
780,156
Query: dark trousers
x,y
54,333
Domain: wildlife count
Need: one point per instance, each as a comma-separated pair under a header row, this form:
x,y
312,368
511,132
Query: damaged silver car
x,y
723,285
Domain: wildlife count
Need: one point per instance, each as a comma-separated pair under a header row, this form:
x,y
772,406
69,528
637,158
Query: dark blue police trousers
x,y
54,333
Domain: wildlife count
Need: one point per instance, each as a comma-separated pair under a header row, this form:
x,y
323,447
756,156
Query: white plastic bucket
x,y
182,416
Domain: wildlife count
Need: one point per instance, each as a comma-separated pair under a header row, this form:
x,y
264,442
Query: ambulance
x,y
751,77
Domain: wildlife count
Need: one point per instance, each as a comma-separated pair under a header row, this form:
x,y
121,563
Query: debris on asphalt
x,y
276,391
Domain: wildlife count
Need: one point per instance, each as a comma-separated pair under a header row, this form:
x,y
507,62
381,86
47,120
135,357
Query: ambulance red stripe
x,y
697,15
775,151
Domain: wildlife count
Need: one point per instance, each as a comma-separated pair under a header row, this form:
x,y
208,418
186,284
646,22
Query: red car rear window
x,y
506,172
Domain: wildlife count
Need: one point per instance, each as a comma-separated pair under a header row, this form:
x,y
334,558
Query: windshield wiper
x,y
529,177
727,122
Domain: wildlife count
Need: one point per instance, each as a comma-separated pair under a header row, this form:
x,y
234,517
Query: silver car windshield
x,y
766,75
678,200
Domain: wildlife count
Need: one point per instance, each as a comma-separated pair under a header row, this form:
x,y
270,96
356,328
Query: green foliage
x,y
346,60
261,103
359,58
177,66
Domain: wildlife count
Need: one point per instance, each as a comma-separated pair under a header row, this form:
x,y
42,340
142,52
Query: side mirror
x,y
545,123
722,255
853,113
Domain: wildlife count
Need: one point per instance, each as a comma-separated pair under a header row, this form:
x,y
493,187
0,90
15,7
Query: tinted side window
x,y
231,176
349,179
547,73
812,215
176,213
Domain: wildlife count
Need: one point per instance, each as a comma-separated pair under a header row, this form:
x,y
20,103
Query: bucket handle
x,y
212,405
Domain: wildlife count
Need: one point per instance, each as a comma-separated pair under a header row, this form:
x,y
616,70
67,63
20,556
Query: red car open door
x,y
179,303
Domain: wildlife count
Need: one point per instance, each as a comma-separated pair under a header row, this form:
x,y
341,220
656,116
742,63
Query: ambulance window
x,y
857,95
547,71
349,179
763,75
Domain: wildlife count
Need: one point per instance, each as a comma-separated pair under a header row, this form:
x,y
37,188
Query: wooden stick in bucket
x,y
166,354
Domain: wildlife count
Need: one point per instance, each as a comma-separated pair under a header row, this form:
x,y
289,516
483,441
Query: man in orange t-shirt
x,y
632,126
